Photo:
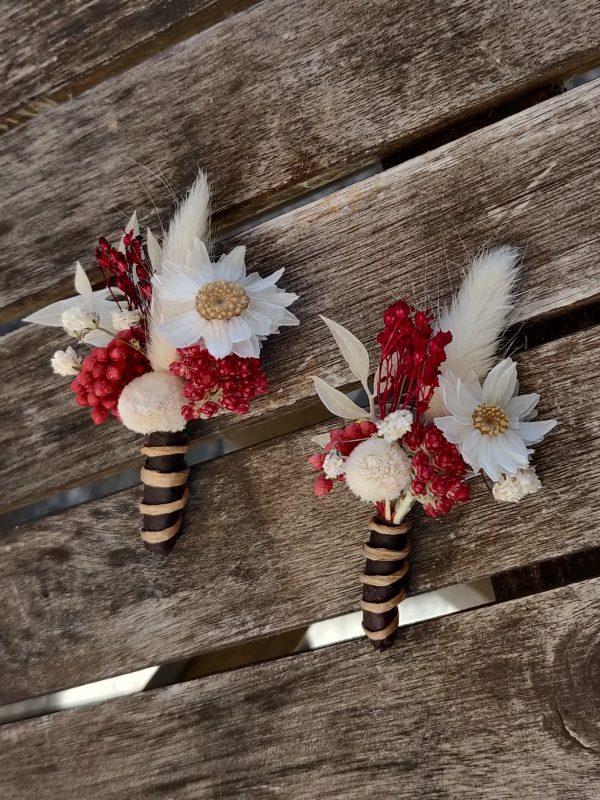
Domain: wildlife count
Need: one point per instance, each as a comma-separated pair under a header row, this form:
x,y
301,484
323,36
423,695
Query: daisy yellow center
x,y
490,420
221,300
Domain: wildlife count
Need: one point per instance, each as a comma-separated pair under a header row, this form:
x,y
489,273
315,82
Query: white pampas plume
x,y
478,315
190,222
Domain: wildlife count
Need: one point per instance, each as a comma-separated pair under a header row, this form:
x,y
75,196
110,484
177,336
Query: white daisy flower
x,y
219,304
491,425
66,362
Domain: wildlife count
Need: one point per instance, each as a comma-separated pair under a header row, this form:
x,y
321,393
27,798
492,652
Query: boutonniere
x,y
442,407
173,336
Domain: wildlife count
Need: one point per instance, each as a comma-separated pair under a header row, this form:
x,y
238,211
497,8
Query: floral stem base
x,y
384,580
164,478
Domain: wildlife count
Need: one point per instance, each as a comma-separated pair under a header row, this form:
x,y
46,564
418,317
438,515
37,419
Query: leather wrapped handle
x,y
384,580
165,493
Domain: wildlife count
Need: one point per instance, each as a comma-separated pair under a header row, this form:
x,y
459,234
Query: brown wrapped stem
x,y
164,478
384,580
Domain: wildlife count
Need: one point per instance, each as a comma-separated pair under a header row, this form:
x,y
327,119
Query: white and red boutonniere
x,y
174,336
442,407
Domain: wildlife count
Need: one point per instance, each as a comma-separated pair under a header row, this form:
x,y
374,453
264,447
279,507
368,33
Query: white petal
x,y
499,386
239,330
247,349
217,339
505,455
52,315
534,432
154,251
257,284
277,315
259,323
231,265
184,330
513,444
489,464
278,298
522,406
181,289
469,449
454,431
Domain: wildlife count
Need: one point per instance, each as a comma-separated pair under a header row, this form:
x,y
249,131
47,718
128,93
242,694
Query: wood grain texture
x,y
532,180
285,95
82,599
67,41
499,703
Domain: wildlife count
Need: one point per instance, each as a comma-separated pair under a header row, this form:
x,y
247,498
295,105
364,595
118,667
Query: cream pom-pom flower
x,y
377,470
513,488
152,403
220,304
490,424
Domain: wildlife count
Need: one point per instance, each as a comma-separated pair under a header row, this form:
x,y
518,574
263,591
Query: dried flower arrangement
x,y
175,336
430,420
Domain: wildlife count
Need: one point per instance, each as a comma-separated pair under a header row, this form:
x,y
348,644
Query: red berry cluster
x,y
438,470
215,384
106,371
344,440
129,271
411,355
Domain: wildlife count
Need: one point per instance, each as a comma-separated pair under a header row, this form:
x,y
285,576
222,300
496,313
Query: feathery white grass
x,y
478,315
190,222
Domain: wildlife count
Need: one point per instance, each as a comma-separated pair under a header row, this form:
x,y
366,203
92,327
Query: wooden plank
x,y
500,702
410,224
315,96
46,47
261,555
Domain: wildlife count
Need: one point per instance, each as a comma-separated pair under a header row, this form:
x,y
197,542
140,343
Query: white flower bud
x,y
377,470
123,320
66,362
334,465
513,488
77,321
395,425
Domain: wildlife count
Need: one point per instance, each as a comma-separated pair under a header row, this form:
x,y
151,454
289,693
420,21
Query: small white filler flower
x,y
334,465
66,362
395,425
490,424
377,470
77,322
123,320
513,488
219,304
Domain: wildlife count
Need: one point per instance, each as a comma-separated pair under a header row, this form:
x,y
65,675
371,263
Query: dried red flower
x,y
438,470
343,440
129,272
106,371
215,384
411,355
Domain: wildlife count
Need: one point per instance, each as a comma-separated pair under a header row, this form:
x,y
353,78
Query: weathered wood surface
x,y
82,599
499,703
74,42
532,180
282,96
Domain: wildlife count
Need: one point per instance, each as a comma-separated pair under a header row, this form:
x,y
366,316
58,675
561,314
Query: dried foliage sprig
x,y
430,419
175,336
